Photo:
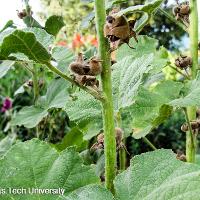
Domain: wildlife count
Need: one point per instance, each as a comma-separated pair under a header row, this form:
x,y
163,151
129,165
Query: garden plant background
x,y
59,132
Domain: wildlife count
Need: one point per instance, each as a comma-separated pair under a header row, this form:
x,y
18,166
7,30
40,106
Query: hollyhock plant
x,y
7,104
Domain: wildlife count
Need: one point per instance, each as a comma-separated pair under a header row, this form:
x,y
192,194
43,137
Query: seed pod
x,y
182,11
81,67
22,14
118,30
94,66
100,138
118,136
181,156
183,62
30,83
194,125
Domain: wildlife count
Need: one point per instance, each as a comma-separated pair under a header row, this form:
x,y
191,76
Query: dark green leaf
x,y
9,24
54,24
26,43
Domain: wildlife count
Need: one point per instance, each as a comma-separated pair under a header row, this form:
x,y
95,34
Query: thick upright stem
x,y
191,111
35,83
107,104
122,152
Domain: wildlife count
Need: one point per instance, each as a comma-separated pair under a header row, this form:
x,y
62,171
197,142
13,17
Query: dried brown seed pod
x,y
22,14
181,156
182,11
194,125
81,67
118,30
29,83
183,62
86,80
118,136
94,65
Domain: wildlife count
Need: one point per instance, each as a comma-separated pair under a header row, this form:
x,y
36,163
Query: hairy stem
x,y
149,143
191,111
122,152
90,90
107,104
35,83
181,73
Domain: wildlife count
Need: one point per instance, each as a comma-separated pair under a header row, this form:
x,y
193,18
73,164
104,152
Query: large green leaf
x,y
83,108
154,175
148,7
26,43
6,143
35,164
5,66
192,97
150,108
91,192
56,97
158,175
54,24
127,77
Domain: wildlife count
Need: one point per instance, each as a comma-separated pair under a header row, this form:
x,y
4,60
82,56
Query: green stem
x,y
191,111
143,24
173,19
149,143
122,152
184,75
35,83
190,139
107,104
91,91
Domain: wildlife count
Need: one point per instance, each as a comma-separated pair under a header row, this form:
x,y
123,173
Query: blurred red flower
x,y
77,41
62,43
7,104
